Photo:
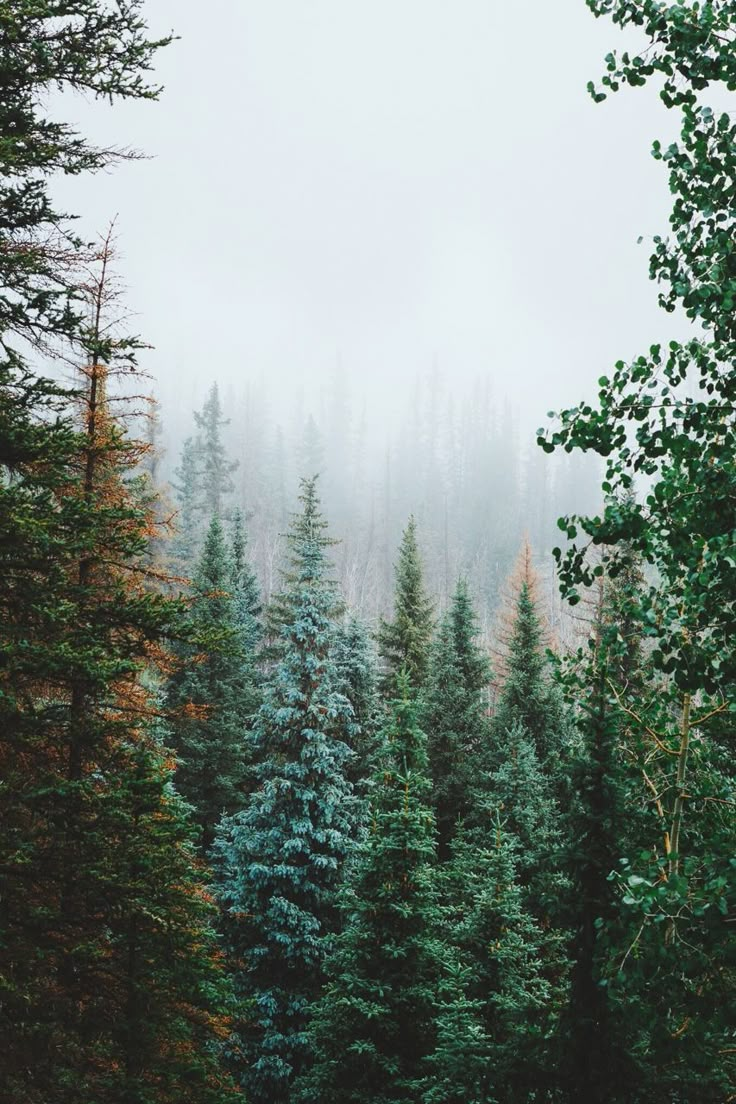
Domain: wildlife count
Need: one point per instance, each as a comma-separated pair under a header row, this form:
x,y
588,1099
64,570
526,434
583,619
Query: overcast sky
x,y
389,185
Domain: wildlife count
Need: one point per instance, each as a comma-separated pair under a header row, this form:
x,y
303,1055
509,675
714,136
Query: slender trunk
x,y
679,806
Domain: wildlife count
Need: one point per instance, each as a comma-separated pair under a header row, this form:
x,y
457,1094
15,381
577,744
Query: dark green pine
x,y
214,694
504,982
280,861
163,973
528,696
522,795
405,640
453,713
355,662
215,469
188,490
373,1028
596,1064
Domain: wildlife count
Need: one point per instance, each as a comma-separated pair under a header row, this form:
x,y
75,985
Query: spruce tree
x,y
404,641
188,490
373,1027
528,696
80,630
215,470
214,691
522,795
245,590
596,1067
355,662
453,714
513,985
280,860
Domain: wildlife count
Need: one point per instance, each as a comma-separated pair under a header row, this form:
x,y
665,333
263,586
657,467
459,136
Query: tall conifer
x,y
373,1027
215,469
404,641
214,691
81,628
280,860
453,714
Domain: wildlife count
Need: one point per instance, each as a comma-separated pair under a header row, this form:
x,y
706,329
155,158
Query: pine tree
x,y
355,663
453,714
162,977
280,860
515,970
80,630
522,795
215,468
404,641
596,1065
188,491
245,590
214,691
373,1027
528,696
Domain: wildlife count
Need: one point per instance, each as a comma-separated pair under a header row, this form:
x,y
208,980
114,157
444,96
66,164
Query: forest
x,y
340,768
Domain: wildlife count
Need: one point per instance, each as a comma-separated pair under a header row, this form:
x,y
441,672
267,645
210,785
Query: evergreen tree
x,y
504,983
188,491
596,1065
373,1026
528,696
215,468
453,714
355,663
214,692
522,795
280,860
245,590
161,976
80,629
404,641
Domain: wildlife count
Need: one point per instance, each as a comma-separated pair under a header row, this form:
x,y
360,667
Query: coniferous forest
x,y
331,774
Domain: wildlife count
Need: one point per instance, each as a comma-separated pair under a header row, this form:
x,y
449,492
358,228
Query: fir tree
x,y
528,696
522,795
214,467
163,976
280,860
245,590
80,630
373,1027
596,1066
453,714
503,985
188,491
215,690
404,641
355,663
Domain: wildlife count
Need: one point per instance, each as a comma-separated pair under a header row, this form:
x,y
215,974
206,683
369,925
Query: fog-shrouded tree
x,y
214,692
453,713
373,1027
215,468
82,925
528,695
187,520
404,641
357,671
280,860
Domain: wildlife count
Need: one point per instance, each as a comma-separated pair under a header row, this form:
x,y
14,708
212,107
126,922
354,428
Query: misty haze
x,y
367,552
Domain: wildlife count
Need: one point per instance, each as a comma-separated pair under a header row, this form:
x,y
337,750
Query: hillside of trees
x,y
316,785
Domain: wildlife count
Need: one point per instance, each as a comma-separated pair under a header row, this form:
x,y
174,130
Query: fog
x,y
396,235
385,188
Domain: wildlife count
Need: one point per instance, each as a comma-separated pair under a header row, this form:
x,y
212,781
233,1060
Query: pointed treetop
x,y
404,642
